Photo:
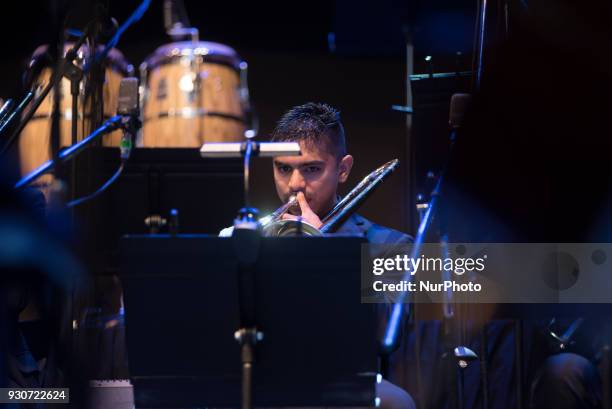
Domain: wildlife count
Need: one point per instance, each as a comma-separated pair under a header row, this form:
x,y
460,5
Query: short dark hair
x,y
313,123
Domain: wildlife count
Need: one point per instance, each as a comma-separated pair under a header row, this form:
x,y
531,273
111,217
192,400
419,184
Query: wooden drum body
x,y
35,139
193,94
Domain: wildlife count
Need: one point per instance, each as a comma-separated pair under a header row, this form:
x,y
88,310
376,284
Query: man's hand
x,y
307,216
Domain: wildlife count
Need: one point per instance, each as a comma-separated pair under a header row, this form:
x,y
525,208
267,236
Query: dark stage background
x,y
532,164
349,54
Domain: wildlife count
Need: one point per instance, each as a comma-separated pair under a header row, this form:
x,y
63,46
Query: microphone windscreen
x,y
128,96
459,105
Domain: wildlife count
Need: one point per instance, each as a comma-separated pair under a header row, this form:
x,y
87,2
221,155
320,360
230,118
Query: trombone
x,y
273,225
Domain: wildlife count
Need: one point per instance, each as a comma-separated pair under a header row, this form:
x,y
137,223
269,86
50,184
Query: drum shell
x,y
35,139
192,98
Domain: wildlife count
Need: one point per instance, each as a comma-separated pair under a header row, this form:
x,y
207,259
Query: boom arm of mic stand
x,y
6,109
68,153
459,103
391,336
11,117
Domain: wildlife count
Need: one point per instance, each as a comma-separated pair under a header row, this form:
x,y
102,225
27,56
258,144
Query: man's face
x,y
316,173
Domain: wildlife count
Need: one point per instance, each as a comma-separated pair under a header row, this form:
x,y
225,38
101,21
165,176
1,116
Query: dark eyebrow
x,y
279,163
313,163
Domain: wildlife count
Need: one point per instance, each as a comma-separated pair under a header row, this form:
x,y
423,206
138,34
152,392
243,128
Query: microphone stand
x,y
55,137
402,304
4,111
74,74
108,126
10,117
247,236
462,355
63,67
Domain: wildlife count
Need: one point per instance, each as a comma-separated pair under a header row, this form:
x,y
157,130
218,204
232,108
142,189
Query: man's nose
x,y
296,182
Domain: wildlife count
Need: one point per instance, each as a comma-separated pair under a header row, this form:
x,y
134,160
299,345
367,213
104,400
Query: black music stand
x,y
154,181
182,309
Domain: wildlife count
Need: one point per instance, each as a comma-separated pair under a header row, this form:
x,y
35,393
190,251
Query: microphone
x,y
129,110
126,118
168,15
176,21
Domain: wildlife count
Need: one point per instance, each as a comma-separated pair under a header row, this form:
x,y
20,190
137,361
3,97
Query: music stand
x,y
182,309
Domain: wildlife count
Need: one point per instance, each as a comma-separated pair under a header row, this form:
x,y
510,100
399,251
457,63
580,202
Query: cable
x,y
136,15
102,188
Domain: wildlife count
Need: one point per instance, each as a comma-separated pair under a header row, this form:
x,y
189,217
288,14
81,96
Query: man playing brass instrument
x,y
314,176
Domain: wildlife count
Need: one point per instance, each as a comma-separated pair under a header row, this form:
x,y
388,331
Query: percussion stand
x,y
247,237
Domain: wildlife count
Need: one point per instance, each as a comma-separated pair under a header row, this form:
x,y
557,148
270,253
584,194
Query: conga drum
x,y
193,93
35,139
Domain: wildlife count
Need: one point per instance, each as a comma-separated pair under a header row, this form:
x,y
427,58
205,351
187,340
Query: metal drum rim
x,y
115,60
215,53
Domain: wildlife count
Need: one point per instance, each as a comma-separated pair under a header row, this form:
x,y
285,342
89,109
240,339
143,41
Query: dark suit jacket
x,y
375,233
